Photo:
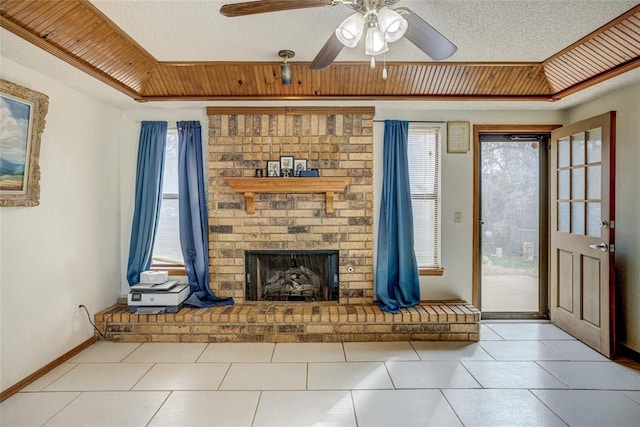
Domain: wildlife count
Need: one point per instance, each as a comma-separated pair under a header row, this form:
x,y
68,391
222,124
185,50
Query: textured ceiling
x,y
483,30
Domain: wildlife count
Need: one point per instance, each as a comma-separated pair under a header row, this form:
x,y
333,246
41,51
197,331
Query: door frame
x,y
475,271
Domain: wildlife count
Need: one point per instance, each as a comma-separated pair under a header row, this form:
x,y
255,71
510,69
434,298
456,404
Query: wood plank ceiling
x,y
78,33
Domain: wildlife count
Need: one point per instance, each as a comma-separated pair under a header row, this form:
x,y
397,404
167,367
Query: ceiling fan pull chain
x,y
384,66
373,62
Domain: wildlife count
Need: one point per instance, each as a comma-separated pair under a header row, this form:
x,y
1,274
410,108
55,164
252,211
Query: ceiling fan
x,y
372,18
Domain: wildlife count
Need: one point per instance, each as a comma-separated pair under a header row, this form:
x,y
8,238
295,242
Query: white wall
x,y
456,192
66,250
627,105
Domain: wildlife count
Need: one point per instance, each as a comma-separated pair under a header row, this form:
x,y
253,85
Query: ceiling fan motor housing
x,y
364,6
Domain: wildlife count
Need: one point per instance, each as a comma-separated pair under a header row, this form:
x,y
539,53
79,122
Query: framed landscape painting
x,y
22,113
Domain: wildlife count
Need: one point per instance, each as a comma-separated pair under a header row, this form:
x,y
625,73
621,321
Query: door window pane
x,y
563,152
577,149
594,183
563,184
577,184
593,219
577,218
563,217
594,145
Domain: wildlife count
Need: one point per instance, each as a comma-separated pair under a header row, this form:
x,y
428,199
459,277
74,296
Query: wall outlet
x,y
77,309
457,217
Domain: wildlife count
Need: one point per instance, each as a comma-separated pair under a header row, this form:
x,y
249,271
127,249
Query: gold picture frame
x,y
458,137
22,113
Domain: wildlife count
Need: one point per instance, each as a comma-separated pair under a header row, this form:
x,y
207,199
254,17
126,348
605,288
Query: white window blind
x,y
424,178
166,248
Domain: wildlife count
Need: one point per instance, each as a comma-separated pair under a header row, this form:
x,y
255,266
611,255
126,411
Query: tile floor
x,y
519,374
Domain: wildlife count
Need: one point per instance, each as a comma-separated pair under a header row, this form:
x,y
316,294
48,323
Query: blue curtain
x,y
397,279
153,138
194,226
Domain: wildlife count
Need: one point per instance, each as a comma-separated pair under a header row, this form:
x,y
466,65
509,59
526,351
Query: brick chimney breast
x,y
336,141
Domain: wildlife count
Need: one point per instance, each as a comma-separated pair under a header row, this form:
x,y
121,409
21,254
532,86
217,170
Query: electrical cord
x,y
93,324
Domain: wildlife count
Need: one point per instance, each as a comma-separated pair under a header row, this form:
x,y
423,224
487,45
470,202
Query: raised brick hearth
x,y
295,322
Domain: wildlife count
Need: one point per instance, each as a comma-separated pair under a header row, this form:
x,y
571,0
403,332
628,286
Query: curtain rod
x,y
414,121
168,126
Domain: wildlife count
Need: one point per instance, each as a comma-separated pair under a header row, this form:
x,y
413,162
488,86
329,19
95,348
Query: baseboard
x,y
42,371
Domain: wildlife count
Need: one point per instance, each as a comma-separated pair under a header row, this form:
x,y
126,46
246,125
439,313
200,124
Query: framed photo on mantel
x,y
273,168
286,162
458,137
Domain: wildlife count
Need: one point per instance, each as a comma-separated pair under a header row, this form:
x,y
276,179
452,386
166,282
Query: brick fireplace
x,y
278,215
336,141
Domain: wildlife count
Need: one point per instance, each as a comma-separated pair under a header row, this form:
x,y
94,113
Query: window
x,y
166,249
424,178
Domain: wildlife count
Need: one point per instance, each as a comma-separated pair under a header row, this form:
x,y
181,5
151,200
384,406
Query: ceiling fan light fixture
x,y
285,67
392,24
373,19
285,74
350,30
375,43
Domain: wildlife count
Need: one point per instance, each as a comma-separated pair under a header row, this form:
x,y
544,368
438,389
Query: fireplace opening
x,y
291,275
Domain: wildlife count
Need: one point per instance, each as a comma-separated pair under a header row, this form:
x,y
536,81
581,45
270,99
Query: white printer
x,y
155,298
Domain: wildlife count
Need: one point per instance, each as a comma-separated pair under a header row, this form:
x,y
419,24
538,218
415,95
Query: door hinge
x,y
612,248
612,224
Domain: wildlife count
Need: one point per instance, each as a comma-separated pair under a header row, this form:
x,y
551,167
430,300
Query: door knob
x,y
602,246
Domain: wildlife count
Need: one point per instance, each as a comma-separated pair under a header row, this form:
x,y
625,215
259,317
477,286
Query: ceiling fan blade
x,y
425,37
264,6
327,54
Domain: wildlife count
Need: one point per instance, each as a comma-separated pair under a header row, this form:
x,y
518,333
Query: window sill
x,y
174,270
430,271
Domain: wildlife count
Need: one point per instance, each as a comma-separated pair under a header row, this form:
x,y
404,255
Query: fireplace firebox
x,y
299,275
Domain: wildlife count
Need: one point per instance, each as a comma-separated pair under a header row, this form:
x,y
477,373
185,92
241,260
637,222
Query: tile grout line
x,y
255,412
444,396
547,406
64,407
155,413
224,377
142,376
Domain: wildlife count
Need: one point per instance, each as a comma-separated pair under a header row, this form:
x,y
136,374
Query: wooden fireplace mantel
x,y
251,186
